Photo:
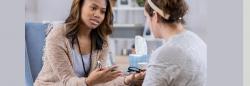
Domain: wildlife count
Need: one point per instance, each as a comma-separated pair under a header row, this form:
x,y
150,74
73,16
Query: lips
x,y
94,21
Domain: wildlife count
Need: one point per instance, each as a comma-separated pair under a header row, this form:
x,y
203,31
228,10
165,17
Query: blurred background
x,y
129,21
128,17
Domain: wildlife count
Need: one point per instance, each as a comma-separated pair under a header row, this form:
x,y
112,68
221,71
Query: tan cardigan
x,y
57,67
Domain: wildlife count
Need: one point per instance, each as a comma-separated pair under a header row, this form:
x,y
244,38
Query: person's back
x,y
180,61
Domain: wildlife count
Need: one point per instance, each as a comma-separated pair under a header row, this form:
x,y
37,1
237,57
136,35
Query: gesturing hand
x,y
102,75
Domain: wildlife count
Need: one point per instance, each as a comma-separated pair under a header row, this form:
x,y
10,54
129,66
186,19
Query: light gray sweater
x,y
180,61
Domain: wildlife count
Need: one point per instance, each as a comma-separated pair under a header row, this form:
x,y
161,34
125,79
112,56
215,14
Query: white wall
x,y
47,10
196,19
58,10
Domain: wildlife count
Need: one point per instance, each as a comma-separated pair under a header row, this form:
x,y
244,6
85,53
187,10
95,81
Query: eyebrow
x,y
104,8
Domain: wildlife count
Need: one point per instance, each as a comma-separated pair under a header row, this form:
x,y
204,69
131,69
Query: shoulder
x,y
186,41
178,48
56,32
189,38
56,37
170,50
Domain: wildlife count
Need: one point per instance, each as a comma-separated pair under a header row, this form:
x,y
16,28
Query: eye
x,y
103,11
93,8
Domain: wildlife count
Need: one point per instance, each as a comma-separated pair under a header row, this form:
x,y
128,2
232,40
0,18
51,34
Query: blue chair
x,y
34,41
28,75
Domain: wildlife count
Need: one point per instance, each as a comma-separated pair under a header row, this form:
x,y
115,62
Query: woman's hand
x,y
136,77
101,76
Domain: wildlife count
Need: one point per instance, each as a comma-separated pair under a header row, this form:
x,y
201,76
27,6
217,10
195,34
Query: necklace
x,y
86,73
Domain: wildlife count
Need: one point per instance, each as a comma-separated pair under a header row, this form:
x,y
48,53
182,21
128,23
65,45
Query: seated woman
x,y
182,59
73,49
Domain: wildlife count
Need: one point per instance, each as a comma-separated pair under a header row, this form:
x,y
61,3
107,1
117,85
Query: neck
x,y
84,32
168,31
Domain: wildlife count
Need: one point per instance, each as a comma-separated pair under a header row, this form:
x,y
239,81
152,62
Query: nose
x,y
97,14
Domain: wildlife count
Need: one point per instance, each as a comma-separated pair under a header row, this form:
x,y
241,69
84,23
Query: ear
x,y
156,16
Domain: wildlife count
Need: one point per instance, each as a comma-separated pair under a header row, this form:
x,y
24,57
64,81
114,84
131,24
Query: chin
x,y
92,26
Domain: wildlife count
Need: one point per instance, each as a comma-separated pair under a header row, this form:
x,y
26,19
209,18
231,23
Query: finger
x,y
116,75
143,70
133,76
97,69
109,78
112,74
140,75
112,78
105,70
113,68
115,72
137,76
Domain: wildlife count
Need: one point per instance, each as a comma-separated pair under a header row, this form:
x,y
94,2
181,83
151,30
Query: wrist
x,y
88,82
127,80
